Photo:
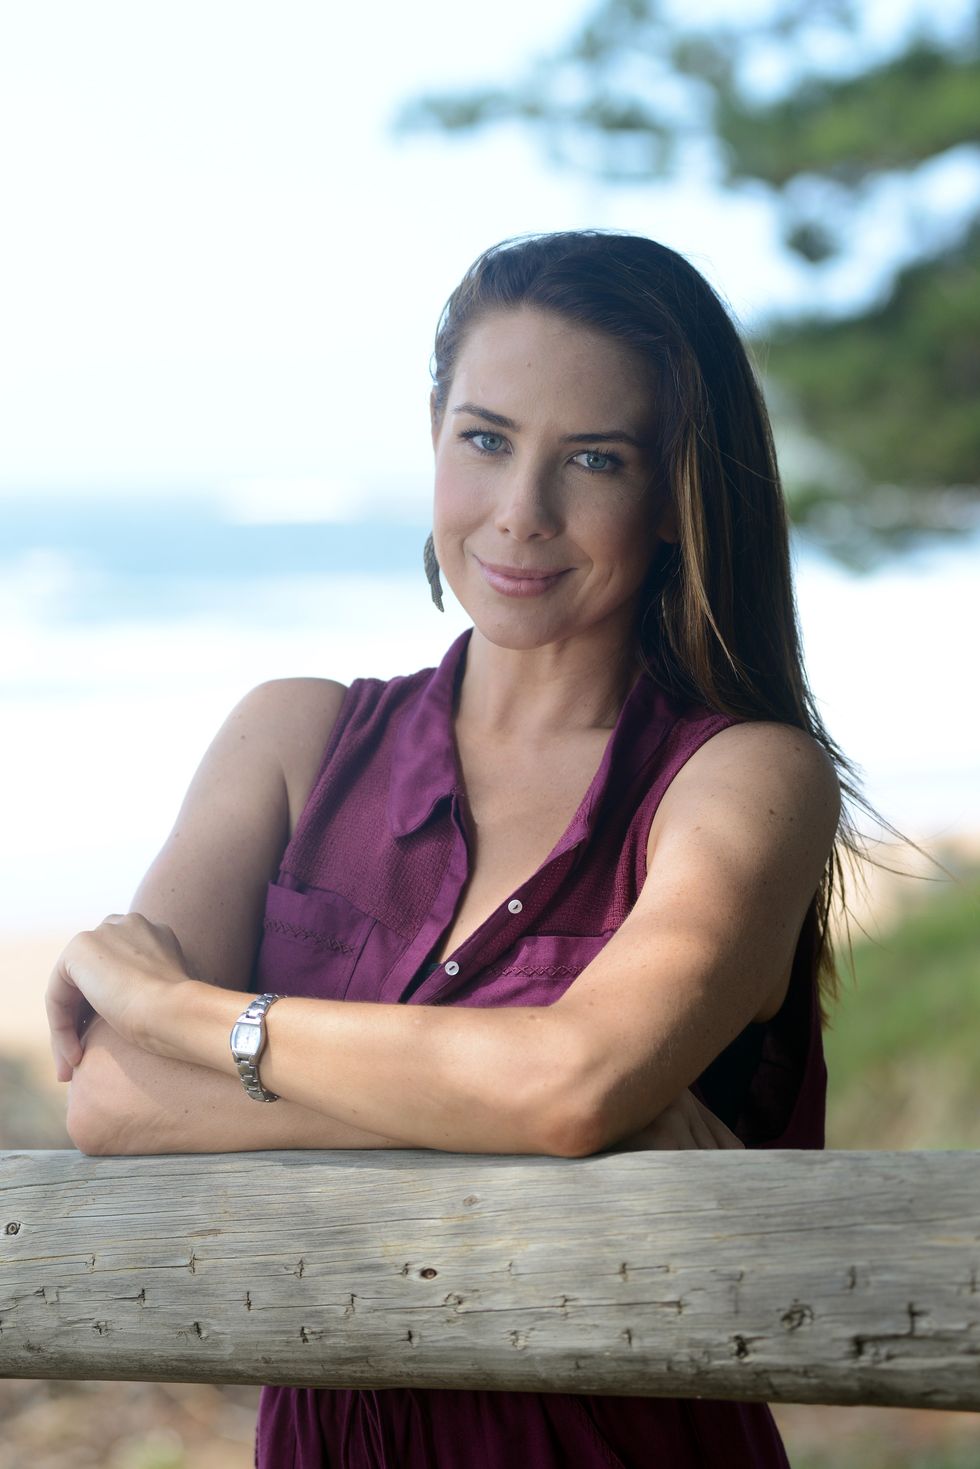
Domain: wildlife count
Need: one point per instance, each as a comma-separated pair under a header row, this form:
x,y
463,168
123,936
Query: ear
x,y
434,422
667,529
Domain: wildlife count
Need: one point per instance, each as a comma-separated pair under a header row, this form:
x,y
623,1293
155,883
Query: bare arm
x,y
208,884
736,852
151,1104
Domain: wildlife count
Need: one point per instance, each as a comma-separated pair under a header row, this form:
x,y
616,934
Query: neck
x,y
559,688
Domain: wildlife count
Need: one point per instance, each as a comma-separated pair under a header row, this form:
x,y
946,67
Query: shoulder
x,y
759,776
294,719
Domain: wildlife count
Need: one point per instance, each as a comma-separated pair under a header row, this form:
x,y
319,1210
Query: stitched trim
x,y
539,971
295,931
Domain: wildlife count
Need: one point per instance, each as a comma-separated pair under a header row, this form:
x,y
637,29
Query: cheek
x,y
624,532
460,500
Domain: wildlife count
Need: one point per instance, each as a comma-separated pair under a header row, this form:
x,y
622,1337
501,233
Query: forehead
x,y
530,358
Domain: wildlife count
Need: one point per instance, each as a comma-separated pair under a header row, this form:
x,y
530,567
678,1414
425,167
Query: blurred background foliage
x,y
876,404
902,1056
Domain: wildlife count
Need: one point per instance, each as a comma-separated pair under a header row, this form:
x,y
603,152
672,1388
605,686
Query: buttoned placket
x,y
414,803
503,928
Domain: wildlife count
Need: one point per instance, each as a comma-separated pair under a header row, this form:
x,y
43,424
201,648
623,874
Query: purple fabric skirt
x,y
435,1428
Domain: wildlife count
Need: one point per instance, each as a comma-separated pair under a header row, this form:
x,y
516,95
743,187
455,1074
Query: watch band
x,y
247,1058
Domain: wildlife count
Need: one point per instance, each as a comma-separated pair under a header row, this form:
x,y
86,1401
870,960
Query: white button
x,y
452,967
515,905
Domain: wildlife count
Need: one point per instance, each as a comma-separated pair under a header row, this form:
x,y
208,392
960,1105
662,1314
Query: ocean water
x,y
129,629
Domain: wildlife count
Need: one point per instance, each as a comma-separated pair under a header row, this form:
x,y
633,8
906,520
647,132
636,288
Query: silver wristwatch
x,y
248,1038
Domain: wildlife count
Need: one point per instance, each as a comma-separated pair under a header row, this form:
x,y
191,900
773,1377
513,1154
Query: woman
x,y
611,810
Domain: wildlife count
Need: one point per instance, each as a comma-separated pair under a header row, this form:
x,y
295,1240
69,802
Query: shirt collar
x,y
425,770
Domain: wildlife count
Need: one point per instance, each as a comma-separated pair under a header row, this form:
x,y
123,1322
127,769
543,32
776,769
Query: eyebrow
x,y
607,437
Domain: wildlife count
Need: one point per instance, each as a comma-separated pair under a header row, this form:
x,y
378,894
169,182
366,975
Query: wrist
x,y
191,1020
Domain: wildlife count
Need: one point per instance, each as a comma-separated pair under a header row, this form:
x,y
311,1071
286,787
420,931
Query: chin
x,y
517,639
520,630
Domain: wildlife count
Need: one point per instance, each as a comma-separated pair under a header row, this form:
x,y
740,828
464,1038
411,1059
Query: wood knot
x,y
428,1273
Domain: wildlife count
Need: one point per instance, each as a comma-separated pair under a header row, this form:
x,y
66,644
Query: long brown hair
x,y
717,621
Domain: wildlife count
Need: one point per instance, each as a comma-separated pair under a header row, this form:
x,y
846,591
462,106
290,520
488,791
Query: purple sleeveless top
x,y
366,888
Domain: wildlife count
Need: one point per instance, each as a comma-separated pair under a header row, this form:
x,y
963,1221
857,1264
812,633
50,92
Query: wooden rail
x,y
839,1277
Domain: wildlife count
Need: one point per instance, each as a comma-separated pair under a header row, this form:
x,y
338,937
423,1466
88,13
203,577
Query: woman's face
x,y
547,511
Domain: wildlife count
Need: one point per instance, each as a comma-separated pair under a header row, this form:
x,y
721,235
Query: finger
x,y
690,1114
67,1051
701,1133
721,1135
724,1135
63,1003
671,1130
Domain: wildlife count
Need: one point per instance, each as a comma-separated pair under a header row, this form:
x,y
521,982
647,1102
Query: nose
x,y
527,507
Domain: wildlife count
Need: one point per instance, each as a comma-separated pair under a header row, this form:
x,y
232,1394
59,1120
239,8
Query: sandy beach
x,y
26,962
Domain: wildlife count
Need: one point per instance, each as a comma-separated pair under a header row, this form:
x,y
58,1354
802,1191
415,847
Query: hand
x,y
684,1123
116,970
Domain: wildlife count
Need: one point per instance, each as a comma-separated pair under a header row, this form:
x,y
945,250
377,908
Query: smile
x,y
518,581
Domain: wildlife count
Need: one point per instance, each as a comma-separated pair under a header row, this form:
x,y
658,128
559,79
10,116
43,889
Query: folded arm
x,y
208,884
736,851
125,1100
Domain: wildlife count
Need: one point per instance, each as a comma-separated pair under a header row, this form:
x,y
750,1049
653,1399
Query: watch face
x,y
245,1039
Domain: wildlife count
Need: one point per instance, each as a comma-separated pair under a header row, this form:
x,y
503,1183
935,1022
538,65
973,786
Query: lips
x,y
521,573
519,581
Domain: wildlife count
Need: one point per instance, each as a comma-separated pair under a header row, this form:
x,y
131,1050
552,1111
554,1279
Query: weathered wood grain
x,y
784,1276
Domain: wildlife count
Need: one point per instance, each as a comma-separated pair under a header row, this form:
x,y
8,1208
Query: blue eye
x,y
610,463
475,434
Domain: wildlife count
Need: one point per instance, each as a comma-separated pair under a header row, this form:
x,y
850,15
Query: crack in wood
x,y
797,1315
875,1344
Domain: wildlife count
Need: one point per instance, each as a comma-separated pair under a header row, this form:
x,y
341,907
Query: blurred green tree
x,y
876,405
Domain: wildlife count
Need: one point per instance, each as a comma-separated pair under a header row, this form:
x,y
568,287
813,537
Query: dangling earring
x,y
432,572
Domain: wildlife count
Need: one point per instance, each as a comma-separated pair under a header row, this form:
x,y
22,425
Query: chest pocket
x,y
537,970
310,943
